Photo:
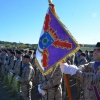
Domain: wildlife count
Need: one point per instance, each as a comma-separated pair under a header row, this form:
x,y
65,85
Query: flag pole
x,y
68,86
50,1
65,75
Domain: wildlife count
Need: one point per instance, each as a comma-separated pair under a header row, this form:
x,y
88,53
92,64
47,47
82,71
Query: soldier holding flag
x,y
55,45
88,74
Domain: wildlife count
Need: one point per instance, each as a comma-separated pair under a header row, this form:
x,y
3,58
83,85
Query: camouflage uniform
x,y
63,88
72,59
84,61
36,76
78,84
15,70
8,60
10,66
77,59
89,78
91,59
52,84
12,63
3,59
25,80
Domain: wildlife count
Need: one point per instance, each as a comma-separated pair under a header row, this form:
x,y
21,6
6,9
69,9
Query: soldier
x,y
72,59
88,74
8,58
82,59
3,61
12,60
22,53
30,53
33,57
15,71
7,62
25,52
17,66
78,84
51,83
25,76
36,76
9,67
91,56
77,56
87,55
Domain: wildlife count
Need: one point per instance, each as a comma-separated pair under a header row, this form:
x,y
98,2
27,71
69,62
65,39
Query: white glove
x,y
43,92
11,74
17,78
68,69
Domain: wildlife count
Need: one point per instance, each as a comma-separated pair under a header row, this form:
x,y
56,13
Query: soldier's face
x,y
18,55
96,54
25,60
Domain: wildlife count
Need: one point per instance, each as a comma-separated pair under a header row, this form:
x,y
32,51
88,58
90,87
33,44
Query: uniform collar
x,y
96,64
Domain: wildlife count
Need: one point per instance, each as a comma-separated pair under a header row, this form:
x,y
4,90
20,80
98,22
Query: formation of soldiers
x,y
20,75
16,72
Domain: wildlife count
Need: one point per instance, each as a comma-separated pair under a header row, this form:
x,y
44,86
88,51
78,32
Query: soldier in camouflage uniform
x,y
12,60
87,55
88,74
82,59
78,84
10,66
72,59
91,59
15,71
51,83
3,61
25,76
7,62
36,76
77,58
30,53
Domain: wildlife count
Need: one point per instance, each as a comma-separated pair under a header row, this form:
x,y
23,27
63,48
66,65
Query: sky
x,y
22,20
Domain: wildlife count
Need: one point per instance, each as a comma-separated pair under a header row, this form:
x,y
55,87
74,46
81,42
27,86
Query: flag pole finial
x,y
50,1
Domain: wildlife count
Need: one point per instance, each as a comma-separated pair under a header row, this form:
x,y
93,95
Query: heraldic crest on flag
x,y
55,43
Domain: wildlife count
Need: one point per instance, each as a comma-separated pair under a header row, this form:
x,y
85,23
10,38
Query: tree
x,y
8,45
22,46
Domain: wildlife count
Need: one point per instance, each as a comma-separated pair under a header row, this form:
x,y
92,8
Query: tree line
x,y
29,46
17,45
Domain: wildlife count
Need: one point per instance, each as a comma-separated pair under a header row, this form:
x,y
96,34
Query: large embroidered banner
x,y
55,43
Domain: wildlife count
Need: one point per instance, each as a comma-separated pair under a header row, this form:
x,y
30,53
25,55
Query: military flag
x,y
55,43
